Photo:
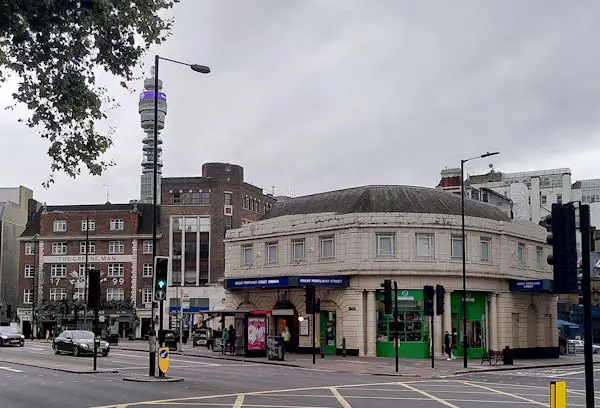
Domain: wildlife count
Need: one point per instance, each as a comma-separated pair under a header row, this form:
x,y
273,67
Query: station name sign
x,y
539,285
288,281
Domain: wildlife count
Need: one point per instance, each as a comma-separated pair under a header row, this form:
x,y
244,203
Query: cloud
x,y
318,95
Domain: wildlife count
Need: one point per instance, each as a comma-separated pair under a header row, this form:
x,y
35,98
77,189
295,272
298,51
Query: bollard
x,y
343,347
558,394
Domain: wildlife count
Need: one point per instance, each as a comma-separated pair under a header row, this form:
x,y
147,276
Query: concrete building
x,y
16,207
347,242
197,212
53,259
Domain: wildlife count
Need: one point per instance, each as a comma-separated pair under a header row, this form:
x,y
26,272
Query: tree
x,y
55,49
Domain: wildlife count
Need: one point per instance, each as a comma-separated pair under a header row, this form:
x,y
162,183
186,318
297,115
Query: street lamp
x,y
203,70
464,264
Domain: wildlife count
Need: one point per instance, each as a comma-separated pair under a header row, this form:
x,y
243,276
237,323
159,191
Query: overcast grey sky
x,y
314,95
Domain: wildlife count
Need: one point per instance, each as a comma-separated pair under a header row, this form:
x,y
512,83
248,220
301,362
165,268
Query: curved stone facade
x,y
414,249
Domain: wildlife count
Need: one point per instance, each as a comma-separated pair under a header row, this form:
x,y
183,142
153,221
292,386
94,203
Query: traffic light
x,y
161,277
561,224
310,299
93,296
387,296
428,300
439,299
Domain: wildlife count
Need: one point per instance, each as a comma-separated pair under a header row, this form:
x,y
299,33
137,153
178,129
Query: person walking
x,y
287,337
209,339
224,340
447,343
231,336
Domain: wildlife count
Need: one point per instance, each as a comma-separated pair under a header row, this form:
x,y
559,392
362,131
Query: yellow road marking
x,y
428,395
239,401
339,398
506,393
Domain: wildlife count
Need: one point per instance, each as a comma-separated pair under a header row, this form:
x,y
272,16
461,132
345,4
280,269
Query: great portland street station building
x,y
347,242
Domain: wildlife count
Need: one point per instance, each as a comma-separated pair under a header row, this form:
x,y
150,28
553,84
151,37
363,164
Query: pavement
x,y
237,384
420,368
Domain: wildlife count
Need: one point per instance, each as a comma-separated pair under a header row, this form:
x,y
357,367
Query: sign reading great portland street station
x,y
91,258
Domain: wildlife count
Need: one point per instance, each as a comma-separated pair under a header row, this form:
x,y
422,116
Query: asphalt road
x,y
211,383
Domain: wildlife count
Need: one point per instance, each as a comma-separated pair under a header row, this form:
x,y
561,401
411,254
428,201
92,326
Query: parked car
x,y
11,336
579,346
78,342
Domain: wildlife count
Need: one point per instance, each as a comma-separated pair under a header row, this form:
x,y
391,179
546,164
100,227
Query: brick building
x,y
196,213
53,262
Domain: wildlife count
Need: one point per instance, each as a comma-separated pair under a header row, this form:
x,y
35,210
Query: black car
x,y
78,342
11,336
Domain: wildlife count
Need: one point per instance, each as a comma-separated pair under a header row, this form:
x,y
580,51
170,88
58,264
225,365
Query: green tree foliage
x,y
55,48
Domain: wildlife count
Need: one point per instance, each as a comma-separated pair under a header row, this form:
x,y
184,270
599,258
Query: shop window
x,y
386,245
413,326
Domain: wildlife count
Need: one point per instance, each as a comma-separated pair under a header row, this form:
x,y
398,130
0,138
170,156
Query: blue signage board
x,y
331,281
257,283
539,285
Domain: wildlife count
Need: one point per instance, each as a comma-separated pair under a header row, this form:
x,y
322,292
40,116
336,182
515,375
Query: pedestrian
x,y
231,336
447,342
224,340
209,339
287,337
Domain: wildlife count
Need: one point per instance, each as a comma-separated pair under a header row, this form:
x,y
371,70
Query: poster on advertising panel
x,y
257,327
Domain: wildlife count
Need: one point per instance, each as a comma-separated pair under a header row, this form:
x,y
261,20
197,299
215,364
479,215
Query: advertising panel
x,y
257,332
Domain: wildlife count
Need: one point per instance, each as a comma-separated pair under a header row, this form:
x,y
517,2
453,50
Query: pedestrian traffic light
x,y
561,224
161,277
387,296
439,299
310,299
93,295
428,300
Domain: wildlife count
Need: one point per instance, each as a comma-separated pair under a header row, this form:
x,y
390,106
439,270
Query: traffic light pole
x,y
397,341
161,334
584,226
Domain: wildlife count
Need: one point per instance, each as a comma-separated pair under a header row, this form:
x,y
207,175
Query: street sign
x,y
163,359
160,295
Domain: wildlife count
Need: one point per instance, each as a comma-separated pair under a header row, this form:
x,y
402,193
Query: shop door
x,y
328,332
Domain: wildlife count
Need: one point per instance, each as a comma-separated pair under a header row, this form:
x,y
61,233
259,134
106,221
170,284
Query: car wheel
x,y
56,350
104,354
22,343
76,351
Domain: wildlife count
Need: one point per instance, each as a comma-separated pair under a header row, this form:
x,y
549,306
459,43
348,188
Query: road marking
x,y
239,401
14,370
339,398
508,394
428,395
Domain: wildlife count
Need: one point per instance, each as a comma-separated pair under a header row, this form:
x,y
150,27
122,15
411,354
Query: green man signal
x,y
161,276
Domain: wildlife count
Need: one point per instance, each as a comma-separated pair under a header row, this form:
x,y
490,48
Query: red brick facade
x,y
117,235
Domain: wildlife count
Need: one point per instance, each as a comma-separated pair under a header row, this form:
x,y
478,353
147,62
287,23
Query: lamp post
x,y
464,264
203,70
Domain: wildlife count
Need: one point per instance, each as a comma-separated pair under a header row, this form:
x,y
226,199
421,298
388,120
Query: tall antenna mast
x,y
107,193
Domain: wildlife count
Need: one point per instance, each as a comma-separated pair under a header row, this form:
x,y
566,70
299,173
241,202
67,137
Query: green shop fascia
x,y
414,326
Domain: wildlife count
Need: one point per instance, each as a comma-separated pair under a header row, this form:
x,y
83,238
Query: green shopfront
x,y
476,323
414,328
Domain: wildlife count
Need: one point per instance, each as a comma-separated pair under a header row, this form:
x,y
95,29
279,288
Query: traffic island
x,y
148,379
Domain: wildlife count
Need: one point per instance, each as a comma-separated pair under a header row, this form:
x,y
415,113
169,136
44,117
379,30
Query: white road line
x,y
506,393
428,395
14,370
239,401
339,398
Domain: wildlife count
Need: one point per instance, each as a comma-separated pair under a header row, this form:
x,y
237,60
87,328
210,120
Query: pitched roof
x,y
381,199
144,209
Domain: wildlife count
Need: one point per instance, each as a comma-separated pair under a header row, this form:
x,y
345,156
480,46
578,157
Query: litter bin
x,y
113,339
171,340
508,356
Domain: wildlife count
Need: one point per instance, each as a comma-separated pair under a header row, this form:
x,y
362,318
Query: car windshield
x,y
8,329
83,335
